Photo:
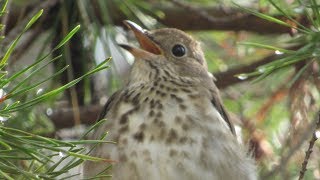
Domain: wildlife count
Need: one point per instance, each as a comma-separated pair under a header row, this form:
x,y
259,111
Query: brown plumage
x,y
169,121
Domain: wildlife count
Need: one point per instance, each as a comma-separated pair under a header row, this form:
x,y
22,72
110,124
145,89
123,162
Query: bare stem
x,y
309,151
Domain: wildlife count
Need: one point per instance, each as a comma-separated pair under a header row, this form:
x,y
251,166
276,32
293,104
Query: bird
x,y
168,121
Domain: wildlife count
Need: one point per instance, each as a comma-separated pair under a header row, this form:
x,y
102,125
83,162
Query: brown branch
x,y
273,99
227,78
182,18
207,16
210,18
64,117
309,151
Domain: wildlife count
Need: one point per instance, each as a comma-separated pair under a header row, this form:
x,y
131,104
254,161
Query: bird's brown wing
x,y
108,105
217,103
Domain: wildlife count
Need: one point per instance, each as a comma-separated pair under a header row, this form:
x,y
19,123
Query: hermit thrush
x,y
169,121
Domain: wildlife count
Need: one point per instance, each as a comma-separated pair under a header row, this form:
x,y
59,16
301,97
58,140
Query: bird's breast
x,y
166,111
170,130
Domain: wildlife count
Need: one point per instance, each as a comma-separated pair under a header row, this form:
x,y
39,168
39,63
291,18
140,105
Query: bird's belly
x,y
165,140
197,157
158,161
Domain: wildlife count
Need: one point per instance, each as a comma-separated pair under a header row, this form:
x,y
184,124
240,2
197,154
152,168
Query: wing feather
x,y
108,105
217,103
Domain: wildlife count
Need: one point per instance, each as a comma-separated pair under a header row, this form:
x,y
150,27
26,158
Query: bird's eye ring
x,y
178,50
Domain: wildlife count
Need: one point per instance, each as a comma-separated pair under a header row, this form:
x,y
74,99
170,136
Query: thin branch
x,y
286,157
273,99
309,151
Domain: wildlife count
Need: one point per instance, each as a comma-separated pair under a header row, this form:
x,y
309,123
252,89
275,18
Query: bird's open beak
x,y
146,43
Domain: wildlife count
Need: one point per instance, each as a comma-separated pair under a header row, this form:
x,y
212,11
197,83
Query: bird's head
x,y
166,49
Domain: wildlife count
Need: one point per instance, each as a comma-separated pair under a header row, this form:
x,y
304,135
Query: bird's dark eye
x,y
178,50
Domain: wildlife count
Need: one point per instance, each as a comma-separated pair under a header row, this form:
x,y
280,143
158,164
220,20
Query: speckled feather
x,y
169,122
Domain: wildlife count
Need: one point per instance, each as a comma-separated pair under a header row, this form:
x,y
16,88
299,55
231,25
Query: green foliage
x,y
25,155
308,40
14,43
279,125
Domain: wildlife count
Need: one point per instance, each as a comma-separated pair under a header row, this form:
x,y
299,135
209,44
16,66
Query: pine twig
x,y
309,151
